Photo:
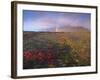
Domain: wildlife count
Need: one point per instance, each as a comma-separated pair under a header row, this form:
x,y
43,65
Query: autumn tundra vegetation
x,y
56,49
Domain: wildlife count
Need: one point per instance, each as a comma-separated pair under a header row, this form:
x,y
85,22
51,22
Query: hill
x,y
67,29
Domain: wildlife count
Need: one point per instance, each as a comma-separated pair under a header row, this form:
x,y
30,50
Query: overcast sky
x,y
42,20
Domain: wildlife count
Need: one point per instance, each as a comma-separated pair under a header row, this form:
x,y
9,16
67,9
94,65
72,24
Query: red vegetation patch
x,y
40,56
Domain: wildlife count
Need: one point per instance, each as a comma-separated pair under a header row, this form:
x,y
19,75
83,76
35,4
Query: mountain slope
x,y
68,29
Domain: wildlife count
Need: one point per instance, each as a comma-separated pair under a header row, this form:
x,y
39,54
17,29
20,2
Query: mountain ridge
x,y
68,29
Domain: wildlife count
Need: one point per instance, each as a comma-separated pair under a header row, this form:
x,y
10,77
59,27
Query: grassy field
x,y
56,49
